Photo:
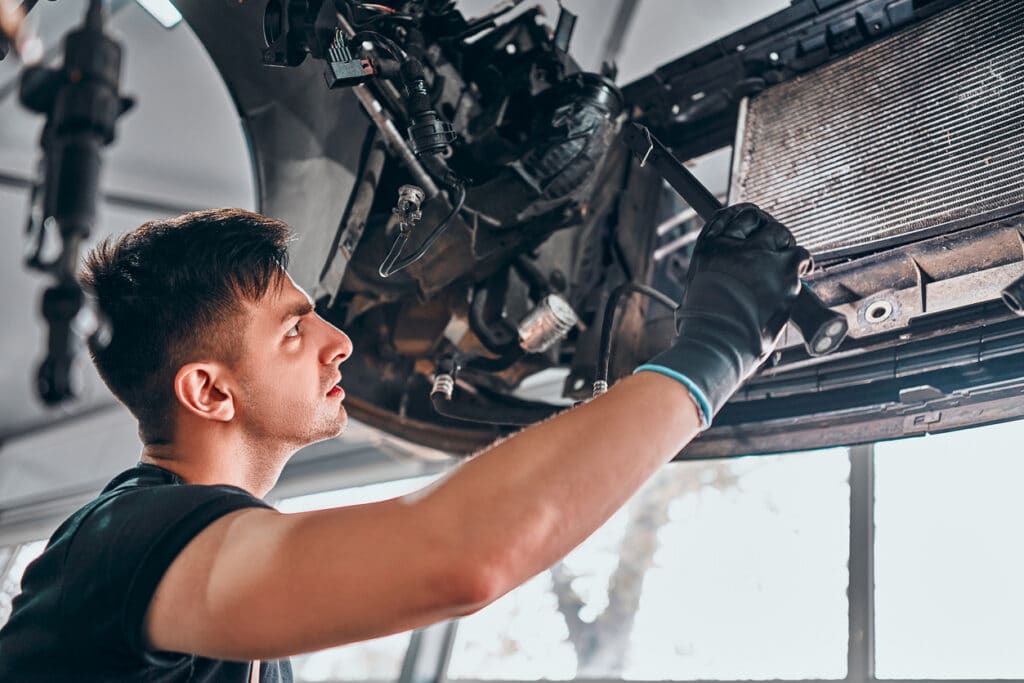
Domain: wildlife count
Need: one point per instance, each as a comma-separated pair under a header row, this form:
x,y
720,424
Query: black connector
x,y
428,132
345,74
343,70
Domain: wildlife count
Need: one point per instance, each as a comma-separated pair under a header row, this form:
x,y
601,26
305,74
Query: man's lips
x,y
336,391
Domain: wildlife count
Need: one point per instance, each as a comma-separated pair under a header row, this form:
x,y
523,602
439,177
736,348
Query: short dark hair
x,y
167,289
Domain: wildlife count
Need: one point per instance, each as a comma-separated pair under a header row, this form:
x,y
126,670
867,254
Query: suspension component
x,y
546,324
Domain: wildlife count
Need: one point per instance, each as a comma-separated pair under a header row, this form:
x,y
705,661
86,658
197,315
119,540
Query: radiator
x,y
919,134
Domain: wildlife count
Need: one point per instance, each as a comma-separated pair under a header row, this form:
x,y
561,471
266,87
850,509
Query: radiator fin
x,y
918,134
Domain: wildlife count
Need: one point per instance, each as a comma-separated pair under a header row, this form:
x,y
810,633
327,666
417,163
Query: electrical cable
x,y
507,410
519,414
390,46
385,19
385,269
376,7
389,267
611,308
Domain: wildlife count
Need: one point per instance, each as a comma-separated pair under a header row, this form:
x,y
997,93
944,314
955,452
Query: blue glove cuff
x,y
703,405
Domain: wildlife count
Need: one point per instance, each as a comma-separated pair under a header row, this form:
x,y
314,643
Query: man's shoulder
x,y
86,596
110,555
145,495
146,499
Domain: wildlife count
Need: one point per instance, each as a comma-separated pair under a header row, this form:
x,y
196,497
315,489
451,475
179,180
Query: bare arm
x,y
257,584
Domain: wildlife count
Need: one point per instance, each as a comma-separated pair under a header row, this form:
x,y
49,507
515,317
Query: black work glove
x,y
742,282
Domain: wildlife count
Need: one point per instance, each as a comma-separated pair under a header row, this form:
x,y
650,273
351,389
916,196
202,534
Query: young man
x,y
179,572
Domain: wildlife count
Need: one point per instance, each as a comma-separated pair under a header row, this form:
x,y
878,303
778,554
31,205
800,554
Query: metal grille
x,y
918,134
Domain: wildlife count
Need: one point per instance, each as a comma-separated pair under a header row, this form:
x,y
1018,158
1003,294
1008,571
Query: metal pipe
x,y
675,245
521,413
678,219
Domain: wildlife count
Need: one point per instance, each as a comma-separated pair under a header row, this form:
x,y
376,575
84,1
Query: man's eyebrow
x,y
298,310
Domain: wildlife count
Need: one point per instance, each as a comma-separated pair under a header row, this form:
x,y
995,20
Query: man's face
x,y
288,371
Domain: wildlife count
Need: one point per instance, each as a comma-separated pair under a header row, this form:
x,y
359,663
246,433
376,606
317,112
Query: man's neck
x,y
232,466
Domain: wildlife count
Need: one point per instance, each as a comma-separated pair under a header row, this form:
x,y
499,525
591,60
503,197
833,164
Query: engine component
x,y
511,410
392,265
298,29
550,321
877,150
617,296
343,69
444,384
576,125
428,132
506,95
408,210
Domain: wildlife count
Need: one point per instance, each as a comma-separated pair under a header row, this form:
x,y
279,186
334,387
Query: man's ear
x,y
202,390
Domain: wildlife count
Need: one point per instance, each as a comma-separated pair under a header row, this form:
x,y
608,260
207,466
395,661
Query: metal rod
x,y
676,244
861,587
680,218
617,31
426,658
678,176
823,330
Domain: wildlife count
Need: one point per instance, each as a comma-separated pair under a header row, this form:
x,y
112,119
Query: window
x,y
372,660
724,569
13,562
948,558
355,495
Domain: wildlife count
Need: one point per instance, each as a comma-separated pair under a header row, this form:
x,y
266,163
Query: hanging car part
x,y
82,105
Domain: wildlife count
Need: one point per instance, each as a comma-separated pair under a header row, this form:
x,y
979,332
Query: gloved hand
x,y
742,282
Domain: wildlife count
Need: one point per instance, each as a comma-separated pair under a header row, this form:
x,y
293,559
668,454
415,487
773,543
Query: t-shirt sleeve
x,y
121,551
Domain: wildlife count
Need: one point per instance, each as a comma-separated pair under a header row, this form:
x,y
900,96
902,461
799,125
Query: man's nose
x,y
338,346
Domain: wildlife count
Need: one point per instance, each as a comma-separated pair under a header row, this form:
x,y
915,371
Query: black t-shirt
x,y
80,614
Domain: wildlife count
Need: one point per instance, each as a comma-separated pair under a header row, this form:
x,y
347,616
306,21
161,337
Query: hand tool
x,y
823,329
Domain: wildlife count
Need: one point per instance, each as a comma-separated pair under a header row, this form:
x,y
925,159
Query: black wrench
x,y
822,328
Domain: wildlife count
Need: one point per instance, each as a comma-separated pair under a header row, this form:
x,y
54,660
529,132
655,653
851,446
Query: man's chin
x,y
342,422
337,426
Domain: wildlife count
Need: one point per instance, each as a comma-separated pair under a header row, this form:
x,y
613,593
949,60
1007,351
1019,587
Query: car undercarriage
x,y
468,210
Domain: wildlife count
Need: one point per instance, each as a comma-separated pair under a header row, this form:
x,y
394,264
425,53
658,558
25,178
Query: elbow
x,y
483,557
486,572
471,586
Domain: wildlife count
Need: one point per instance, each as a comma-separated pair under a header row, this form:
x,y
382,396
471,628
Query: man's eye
x,y
294,331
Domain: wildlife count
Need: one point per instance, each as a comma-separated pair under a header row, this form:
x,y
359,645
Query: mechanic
x,y
178,571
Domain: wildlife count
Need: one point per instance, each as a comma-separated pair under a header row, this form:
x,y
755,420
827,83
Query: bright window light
x,y
163,11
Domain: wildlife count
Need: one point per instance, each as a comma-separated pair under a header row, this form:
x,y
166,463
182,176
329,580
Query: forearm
x,y
526,501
